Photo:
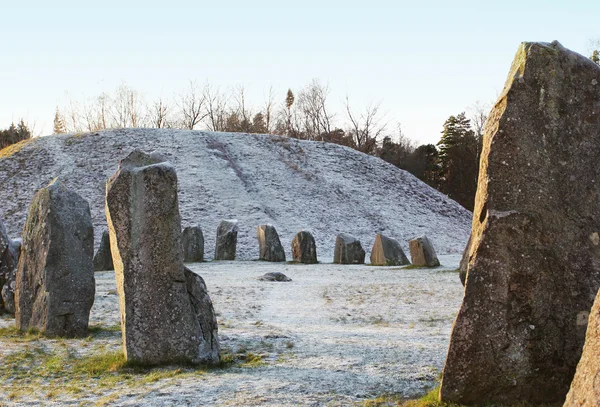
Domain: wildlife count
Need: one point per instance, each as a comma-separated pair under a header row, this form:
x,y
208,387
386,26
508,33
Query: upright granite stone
x,y
269,245
226,240
55,283
8,290
422,252
103,259
464,263
348,250
7,258
193,244
304,248
534,258
387,252
166,313
585,387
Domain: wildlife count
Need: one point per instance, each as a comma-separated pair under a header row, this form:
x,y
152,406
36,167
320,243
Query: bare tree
x,y
215,108
268,113
241,111
191,107
312,104
159,114
367,128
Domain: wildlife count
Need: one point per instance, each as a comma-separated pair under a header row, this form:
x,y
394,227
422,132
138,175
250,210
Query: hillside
x,y
292,184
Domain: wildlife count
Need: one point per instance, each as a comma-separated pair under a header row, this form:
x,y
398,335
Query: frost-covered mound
x,y
256,179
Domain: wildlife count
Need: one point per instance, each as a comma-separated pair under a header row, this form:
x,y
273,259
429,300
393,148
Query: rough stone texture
x,y
193,244
275,276
226,240
422,252
55,283
464,263
304,248
166,313
534,261
8,290
269,245
7,258
348,250
387,252
103,259
585,387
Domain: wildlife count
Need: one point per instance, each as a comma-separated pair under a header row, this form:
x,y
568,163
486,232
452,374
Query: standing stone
x,y
422,252
7,259
166,313
226,240
193,244
464,263
534,262
269,246
585,387
8,290
304,248
103,258
348,250
387,252
55,283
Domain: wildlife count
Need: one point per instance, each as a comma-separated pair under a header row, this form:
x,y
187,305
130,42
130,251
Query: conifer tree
x,y
459,167
59,123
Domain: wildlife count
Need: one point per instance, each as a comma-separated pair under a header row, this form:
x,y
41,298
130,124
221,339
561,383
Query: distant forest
x,y
451,165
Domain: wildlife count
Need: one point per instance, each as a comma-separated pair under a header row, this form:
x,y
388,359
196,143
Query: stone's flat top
x,y
257,179
138,160
347,238
394,340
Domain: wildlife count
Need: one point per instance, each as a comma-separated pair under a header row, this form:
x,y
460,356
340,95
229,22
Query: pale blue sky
x,y
423,60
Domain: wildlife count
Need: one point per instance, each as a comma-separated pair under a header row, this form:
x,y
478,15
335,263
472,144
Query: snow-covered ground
x,y
336,335
257,179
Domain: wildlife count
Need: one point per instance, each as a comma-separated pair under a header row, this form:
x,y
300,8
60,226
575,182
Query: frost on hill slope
x,y
256,179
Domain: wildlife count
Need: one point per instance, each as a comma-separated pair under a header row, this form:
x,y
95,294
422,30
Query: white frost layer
x,y
258,179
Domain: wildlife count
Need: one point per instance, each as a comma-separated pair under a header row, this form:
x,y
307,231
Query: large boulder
x,y
103,259
55,283
269,245
422,252
166,313
304,248
193,244
348,250
226,240
534,258
387,252
7,258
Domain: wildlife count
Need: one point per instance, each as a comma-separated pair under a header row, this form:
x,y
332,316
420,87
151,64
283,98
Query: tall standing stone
x,y
304,248
55,283
166,313
387,252
534,262
226,240
269,245
193,244
422,252
585,387
464,263
348,250
7,259
103,259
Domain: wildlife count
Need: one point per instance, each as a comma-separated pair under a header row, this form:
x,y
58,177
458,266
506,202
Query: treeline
x,y
14,134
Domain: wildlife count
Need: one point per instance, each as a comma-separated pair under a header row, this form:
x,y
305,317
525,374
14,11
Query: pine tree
x,y
59,124
459,167
289,101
